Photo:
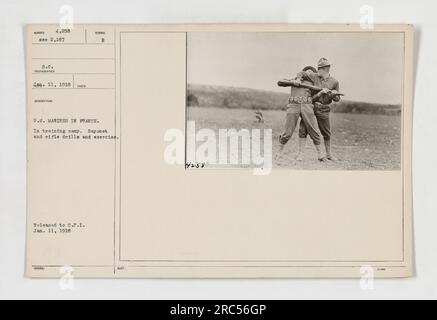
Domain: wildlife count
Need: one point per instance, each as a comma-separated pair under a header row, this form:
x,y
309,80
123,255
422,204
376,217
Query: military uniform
x,y
300,104
322,104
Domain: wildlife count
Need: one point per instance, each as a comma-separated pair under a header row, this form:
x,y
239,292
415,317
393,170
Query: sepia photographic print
x,y
313,100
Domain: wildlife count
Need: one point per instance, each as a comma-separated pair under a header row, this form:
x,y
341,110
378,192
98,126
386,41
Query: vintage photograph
x,y
170,126
312,101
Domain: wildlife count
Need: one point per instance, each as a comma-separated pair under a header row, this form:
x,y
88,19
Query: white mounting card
x,y
229,150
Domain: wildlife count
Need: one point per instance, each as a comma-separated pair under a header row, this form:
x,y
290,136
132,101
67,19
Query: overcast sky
x,y
369,66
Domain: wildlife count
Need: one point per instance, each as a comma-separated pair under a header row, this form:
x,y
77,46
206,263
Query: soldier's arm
x,y
289,82
337,97
317,96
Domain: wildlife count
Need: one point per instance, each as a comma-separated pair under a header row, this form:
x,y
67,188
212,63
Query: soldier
x,y
322,103
300,105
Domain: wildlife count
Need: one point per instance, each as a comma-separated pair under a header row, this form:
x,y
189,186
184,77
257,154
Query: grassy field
x,y
360,141
245,98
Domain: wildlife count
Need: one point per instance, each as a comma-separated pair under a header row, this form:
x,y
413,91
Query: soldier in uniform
x,y
300,105
322,103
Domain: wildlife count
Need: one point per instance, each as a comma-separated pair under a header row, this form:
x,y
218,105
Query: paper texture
x,y
110,107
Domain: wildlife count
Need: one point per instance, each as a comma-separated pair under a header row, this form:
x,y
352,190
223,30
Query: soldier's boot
x,y
320,155
302,144
329,155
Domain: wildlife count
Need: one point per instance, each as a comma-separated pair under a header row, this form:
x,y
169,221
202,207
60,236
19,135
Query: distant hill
x,y
233,97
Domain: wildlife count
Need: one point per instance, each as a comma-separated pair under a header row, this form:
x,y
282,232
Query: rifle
x,y
289,83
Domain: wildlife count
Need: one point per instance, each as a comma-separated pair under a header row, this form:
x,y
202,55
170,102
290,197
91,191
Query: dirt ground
x,y
359,141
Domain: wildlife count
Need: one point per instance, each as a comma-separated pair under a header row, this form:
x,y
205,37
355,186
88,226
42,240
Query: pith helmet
x,y
323,62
